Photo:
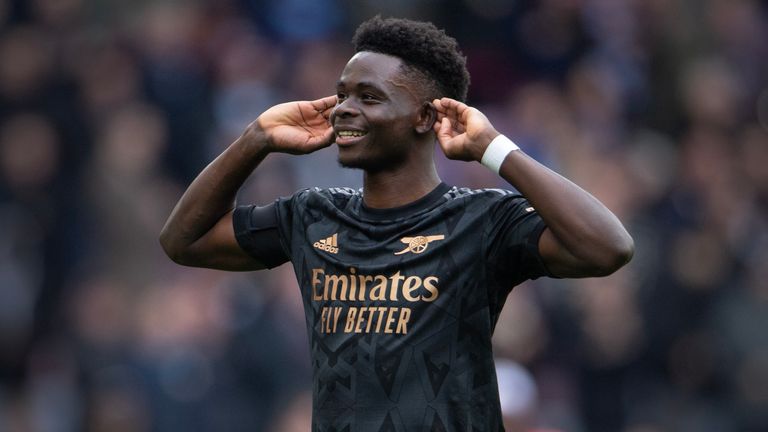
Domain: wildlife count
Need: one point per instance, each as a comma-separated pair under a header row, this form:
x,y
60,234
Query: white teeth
x,y
350,133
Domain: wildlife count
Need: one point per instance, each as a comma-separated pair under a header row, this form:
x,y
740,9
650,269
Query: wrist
x,y
484,139
255,140
496,152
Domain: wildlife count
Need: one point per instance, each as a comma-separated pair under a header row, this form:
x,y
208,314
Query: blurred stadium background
x,y
109,108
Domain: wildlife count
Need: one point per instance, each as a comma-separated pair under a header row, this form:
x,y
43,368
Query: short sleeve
x,y
257,233
513,233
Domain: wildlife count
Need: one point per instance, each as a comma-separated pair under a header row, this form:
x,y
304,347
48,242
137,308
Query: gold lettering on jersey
x,y
355,287
379,291
329,319
367,319
430,284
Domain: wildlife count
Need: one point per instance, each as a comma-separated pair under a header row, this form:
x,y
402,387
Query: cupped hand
x,y
462,131
297,127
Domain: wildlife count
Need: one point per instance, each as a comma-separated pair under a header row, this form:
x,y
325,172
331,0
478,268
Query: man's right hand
x,y
199,231
295,127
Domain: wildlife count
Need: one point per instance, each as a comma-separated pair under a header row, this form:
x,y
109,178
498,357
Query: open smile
x,y
349,137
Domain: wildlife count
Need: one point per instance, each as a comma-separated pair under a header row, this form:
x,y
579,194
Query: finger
x,y
438,124
438,106
454,119
451,112
453,104
324,104
452,108
444,130
459,109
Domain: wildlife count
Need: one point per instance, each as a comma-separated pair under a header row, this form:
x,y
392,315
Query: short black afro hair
x,y
419,45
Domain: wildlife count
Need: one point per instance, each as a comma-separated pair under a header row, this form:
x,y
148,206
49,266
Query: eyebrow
x,y
360,85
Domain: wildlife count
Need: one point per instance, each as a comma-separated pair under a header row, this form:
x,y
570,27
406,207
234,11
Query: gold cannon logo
x,y
418,244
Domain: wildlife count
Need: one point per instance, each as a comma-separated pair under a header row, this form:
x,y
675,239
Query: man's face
x,y
376,113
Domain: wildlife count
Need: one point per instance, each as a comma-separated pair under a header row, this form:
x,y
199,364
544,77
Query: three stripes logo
x,y
329,244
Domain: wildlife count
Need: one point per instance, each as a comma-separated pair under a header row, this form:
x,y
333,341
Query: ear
x,y
426,118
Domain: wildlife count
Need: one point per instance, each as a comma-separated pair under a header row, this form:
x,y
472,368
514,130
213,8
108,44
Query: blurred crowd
x,y
108,109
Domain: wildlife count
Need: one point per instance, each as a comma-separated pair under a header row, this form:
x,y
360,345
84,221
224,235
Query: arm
x,y
199,230
583,238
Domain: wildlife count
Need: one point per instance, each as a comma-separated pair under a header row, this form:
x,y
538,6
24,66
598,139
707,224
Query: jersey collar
x,y
423,203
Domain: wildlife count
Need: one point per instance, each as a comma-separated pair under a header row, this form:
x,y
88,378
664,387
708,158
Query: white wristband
x,y
497,151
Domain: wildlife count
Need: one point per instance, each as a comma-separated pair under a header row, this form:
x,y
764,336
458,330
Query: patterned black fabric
x,y
401,303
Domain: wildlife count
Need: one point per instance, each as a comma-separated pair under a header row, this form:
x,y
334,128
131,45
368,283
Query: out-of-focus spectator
x,y
517,395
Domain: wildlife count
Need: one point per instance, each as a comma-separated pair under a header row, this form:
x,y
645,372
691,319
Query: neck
x,y
400,187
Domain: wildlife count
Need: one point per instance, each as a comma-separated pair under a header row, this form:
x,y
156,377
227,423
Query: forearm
x,y
212,194
583,237
595,242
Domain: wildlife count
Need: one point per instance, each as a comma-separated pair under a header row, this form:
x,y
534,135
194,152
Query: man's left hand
x,y
462,131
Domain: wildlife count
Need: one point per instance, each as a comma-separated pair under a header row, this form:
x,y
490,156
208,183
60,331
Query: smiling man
x,y
403,281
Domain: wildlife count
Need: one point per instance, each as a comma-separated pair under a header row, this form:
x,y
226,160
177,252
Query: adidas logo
x,y
329,244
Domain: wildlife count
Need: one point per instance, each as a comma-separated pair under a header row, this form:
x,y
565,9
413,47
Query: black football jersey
x,y
401,303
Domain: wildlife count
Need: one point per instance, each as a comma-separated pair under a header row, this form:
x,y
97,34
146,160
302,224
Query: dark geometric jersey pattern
x,y
402,342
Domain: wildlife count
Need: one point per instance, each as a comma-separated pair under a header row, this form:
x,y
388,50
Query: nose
x,y
343,109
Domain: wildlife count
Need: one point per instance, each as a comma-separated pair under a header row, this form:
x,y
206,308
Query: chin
x,y
352,164
348,158
370,164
